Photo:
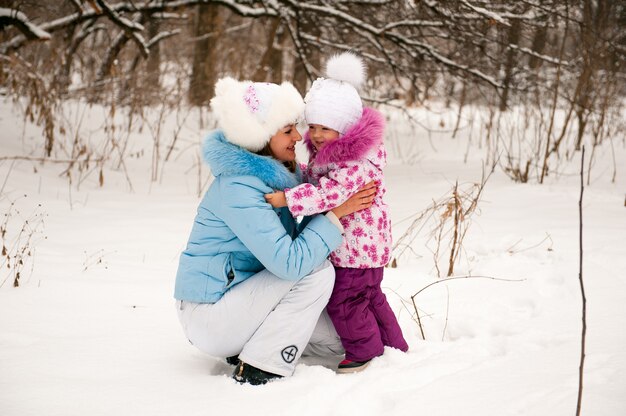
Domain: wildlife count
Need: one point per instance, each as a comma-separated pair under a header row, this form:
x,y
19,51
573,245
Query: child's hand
x,y
277,199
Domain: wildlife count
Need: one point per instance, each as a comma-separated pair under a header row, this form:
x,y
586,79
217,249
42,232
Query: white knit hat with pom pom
x,y
334,101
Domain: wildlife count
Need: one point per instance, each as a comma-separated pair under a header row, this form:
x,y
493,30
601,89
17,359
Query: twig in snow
x,y
464,277
404,305
547,237
582,286
443,335
417,315
6,178
446,280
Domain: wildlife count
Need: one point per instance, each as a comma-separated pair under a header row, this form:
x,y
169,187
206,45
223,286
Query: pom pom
x,y
225,86
346,67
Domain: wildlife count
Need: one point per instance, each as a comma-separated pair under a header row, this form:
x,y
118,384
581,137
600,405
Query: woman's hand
x,y
361,200
277,199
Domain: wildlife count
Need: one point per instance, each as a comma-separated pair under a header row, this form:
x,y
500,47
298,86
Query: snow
x,y
92,328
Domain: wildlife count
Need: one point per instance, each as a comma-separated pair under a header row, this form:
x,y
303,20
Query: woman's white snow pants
x,y
268,321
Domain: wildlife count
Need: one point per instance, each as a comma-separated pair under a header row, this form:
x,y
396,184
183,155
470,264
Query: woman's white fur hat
x,y
334,101
250,113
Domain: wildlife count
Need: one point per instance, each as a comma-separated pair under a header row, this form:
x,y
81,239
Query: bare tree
x,y
203,75
270,67
489,52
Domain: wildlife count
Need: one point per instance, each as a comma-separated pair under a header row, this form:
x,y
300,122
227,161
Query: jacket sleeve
x,y
256,224
332,191
304,172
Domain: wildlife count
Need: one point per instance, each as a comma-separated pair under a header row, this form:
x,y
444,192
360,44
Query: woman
x,y
252,282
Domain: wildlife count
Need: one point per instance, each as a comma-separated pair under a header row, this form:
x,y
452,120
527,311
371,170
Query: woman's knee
x,y
322,279
327,276
206,332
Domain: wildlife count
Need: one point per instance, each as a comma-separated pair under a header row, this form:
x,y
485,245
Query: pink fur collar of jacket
x,y
365,135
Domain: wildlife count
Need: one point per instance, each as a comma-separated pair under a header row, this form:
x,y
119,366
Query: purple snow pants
x,y
361,315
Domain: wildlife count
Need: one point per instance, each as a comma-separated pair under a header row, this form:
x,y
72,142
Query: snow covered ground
x,y
92,328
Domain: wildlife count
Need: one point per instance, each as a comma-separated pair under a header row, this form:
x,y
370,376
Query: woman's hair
x,y
266,151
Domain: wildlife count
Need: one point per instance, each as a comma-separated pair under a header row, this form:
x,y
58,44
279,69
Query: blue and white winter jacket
x,y
236,233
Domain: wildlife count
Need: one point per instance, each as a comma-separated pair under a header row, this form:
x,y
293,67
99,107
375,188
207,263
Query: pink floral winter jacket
x,y
337,172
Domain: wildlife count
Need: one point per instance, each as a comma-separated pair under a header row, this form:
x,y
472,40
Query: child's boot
x,y
347,366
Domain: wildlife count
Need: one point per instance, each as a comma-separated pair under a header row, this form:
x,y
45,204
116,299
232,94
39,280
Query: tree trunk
x,y
264,70
203,73
538,45
153,65
591,57
300,74
107,67
276,57
63,73
513,39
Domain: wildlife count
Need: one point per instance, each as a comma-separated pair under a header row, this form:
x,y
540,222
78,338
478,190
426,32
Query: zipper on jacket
x,y
231,277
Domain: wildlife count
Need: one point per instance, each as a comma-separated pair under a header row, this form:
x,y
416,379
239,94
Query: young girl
x,y
346,148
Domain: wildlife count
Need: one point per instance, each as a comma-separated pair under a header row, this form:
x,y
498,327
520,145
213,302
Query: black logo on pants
x,y
289,353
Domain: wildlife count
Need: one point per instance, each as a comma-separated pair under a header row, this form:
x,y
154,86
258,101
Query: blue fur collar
x,y
225,158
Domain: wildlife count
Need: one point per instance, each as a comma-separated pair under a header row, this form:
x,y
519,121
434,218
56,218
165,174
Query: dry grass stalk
x,y
452,216
19,236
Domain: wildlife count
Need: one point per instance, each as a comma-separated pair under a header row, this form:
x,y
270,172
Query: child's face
x,y
322,135
283,143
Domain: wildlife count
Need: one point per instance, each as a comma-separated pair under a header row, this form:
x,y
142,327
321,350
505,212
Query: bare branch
x,y
130,28
484,12
118,19
464,278
161,36
77,4
44,159
545,58
11,17
128,6
422,48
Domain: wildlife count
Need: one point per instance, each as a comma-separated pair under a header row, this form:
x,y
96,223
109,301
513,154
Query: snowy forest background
x,y
561,61
103,105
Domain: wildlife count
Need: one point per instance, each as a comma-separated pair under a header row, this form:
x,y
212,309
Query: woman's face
x,y
283,143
